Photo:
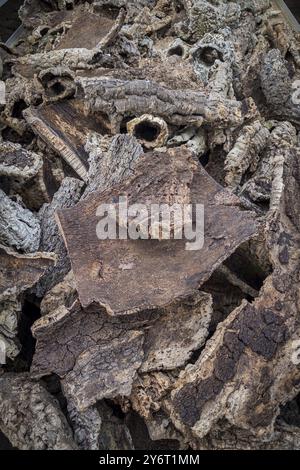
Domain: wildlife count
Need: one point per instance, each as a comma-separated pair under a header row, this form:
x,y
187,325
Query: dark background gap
x,y
9,20
294,6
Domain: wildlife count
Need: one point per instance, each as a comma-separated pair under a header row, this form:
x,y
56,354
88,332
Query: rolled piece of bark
x,y
121,98
149,130
246,152
208,50
58,83
19,227
266,185
30,417
178,271
17,162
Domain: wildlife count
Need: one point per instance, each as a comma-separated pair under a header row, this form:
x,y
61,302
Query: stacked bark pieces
x,y
143,344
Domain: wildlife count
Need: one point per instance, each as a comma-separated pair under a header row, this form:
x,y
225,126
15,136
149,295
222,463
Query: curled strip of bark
x,y
266,182
119,98
17,162
149,130
246,152
64,128
19,228
30,417
113,33
58,83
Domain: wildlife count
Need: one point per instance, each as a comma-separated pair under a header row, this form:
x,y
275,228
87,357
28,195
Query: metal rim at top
x,y
288,14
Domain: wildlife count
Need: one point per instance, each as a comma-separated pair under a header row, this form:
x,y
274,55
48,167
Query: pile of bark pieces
x,y
122,344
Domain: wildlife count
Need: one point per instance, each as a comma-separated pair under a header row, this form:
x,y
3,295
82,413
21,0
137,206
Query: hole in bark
x,y
56,88
177,50
10,134
18,108
209,55
178,6
44,31
204,159
146,131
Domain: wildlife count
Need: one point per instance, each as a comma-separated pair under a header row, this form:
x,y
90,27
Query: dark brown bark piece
x,y
129,275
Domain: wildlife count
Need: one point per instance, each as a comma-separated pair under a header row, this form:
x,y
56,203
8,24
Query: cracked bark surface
x,y
142,344
174,177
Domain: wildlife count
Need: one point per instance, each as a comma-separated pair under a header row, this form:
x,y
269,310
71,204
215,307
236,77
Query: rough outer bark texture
x,y
121,282
119,98
110,160
67,195
258,337
245,153
277,87
19,227
101,334
206,370
18,163
30,417
265,185
17,273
